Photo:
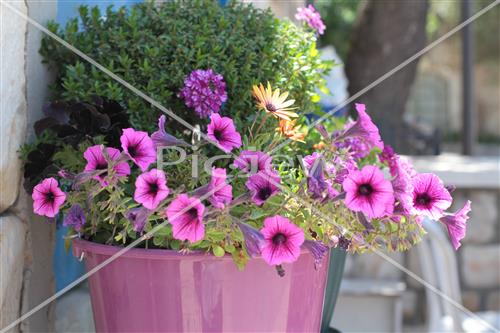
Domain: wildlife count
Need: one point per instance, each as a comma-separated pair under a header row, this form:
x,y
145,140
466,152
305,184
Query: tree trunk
x,y
386,34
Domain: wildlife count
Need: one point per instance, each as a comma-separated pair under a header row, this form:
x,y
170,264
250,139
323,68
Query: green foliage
x,y
154,47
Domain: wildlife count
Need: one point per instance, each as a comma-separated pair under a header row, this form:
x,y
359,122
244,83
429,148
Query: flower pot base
x,y
164,291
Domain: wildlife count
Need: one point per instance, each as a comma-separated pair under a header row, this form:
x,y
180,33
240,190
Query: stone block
x,y
484,217
12,243
471,300
481,266
493,301
410,304
13,115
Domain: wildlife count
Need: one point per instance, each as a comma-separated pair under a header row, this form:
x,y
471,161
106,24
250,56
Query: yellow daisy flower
x,y
274,102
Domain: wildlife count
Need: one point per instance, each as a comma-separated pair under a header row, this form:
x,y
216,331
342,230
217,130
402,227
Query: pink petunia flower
x,y
311,17
282,240
151,188
455,223
221,192
253,161
364,129
47,198
161,138
96,161
262,186
430,197
139,147
186,216
138,216
402,183
369,192
221,131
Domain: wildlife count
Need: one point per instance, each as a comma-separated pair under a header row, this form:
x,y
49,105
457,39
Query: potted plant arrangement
x,y
227,235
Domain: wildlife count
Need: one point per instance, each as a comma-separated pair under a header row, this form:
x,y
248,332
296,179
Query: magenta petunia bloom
x,y
96,161
205,91
151,188
430,197
75,218
402,183
222,132
369,192
455,223
139,147
318,251
364,129
47,198
282,240
221,192
311,17
186,216
161,138
262,186
317,185
138,217
254,240
253,161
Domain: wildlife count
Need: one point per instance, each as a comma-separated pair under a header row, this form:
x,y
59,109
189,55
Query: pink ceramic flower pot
x,y
164,291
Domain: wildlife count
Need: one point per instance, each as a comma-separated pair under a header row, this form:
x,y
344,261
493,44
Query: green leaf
x,y
218,251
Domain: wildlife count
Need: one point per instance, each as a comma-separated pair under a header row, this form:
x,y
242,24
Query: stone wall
x,y
477,179
26,243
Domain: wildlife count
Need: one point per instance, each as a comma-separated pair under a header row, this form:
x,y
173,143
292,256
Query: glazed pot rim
x,y
84,246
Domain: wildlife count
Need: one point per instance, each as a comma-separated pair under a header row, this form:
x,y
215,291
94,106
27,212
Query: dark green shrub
x,y
154,47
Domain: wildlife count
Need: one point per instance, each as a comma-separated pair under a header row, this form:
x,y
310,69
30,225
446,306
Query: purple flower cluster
x,y
205,91
311,17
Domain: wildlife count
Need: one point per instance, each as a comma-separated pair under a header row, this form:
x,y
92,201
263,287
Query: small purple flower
x,y
162,139
138,217
357,148
151,188
222,132
186,216
455,223
75,218
430,197
254,240
364,129
253,161
221,192
318,251
262,186
139,147
311,17
402,184
98,161
205,91
317,185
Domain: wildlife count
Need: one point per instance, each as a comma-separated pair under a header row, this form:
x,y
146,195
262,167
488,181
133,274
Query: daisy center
x,y
270,107
365,189
264,193
279,239
423,199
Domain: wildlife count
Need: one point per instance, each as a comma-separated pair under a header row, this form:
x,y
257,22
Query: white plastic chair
x,y
439,268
